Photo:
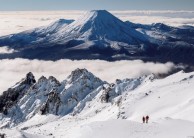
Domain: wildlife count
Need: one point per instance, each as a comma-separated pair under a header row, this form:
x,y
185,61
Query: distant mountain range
x,y
100,35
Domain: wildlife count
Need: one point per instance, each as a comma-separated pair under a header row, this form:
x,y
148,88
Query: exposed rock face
x,y
47,96
106,94
14,94
77,86
52,104
29,79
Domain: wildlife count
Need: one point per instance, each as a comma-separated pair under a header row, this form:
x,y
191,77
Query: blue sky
x,y
96,4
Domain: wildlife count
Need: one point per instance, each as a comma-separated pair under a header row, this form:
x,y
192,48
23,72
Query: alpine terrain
x,y
84,106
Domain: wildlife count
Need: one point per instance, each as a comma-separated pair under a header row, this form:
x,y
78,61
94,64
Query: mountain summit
x,y
101,26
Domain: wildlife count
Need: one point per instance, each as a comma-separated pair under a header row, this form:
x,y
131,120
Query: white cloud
x,y
17,21
11,71
6,50
173,18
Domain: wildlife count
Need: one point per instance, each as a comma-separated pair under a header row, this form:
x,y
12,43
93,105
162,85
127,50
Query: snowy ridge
x,y
38,35
51,28
15,93
82,99
49,96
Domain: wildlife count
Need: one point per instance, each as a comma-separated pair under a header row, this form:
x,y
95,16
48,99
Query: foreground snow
x,y
124,129
168,102
75,128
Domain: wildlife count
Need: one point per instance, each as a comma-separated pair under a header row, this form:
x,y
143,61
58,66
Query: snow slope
x,y
167,128
168,101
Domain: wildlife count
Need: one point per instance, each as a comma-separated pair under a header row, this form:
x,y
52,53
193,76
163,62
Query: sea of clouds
x,y
17,21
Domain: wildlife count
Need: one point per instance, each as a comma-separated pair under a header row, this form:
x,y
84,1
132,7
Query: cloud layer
x,y
11,71
14,22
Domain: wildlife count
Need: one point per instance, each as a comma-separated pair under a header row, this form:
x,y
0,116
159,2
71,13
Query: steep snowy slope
x,y
10,97
36,35
53,27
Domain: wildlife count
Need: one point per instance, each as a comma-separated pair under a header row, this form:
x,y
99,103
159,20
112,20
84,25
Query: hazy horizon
x,y
18,21
97,4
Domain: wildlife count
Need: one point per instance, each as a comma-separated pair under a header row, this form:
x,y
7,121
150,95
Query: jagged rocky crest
x,y
15,93
49,96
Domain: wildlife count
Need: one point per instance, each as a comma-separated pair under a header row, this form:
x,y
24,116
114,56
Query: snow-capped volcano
x,y
100,26
100,35
94,31
96,28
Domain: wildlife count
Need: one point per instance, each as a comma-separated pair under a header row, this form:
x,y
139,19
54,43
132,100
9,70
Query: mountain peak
x,y
14,94
102,26
82,74
99,12
30,79
77,73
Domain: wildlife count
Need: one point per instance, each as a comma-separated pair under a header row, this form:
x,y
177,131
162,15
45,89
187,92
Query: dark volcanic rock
x,y
12,95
